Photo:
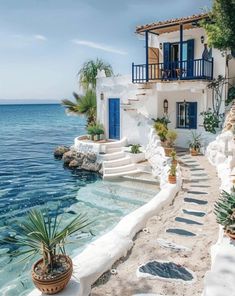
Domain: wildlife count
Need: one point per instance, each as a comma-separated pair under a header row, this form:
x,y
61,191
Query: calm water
x,y
31,177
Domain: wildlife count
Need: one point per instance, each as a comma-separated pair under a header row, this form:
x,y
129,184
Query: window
x,y
186,115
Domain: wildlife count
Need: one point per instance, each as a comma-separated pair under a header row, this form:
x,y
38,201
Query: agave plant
x,y
225,210
173,169
135,149
43,235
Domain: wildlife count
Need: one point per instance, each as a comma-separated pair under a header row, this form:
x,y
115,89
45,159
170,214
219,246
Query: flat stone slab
x,y
200,175
197,192
194,213
197,169
172,246
201,186
195,201
187,221
165,270
180,231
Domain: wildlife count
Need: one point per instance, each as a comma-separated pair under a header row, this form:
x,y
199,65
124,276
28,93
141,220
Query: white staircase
x,y
116,162
135,102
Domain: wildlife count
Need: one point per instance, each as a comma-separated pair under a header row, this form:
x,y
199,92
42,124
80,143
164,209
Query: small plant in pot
x,y
171,136
172,174
161,131
100,131
173,156
225,212
195,144
42,235
91,131
135,149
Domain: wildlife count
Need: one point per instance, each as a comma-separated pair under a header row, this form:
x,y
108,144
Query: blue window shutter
x,y
192,115
190,54
166,54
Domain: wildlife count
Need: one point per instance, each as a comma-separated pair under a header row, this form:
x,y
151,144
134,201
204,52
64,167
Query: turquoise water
x,y
30,177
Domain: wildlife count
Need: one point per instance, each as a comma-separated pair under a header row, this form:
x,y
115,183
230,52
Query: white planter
x,y
138,157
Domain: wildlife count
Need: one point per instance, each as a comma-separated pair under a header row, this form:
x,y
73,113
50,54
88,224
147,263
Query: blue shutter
x,y
190,54
166,54
192,115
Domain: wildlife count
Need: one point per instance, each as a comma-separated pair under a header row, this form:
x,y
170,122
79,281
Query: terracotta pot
x,y
194,152
229,234
174,161
168,151
55,285
172,179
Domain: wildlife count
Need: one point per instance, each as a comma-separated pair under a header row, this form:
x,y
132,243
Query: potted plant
x,y
43,235
225,212
171,136
100,131
195,144
173,157
135,148
161,131
172,174
91,131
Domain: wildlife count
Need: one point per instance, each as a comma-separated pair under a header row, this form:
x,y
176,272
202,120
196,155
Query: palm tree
x,y
85,105
88,72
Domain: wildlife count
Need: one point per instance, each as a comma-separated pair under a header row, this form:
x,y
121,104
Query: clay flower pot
x,y
168,151
172,179
174,161
230,234
194,152
55,284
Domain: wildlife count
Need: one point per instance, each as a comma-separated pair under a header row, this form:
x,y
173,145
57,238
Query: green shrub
x,y
135,149
210,121
231,96
171,136
173,169
161,130
195,142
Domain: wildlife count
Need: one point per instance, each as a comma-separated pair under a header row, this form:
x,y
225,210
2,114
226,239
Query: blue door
x,y
114,119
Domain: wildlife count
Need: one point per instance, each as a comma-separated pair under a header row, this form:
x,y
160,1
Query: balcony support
x,y
181,50
147,54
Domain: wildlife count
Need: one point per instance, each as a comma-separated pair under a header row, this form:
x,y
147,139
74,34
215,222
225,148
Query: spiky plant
x,y
173,169
173,155
135,149
85,105
43,235
225,210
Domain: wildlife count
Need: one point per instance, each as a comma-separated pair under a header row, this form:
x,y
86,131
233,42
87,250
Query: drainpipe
x,y
147,54
181,50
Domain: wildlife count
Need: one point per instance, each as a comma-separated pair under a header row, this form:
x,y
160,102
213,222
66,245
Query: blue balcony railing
x,y
185,70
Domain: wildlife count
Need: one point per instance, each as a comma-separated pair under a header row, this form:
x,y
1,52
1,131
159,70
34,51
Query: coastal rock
x,y
68,157
59,151
90,166
74,164
91,157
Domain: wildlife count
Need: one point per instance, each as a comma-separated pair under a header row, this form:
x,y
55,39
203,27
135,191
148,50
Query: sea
x,y
30,177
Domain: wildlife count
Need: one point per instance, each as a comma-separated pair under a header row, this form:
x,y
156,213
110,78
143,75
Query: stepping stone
x,y
172,246
180,232
199,180
165,270
187,221
199,175
202,186
195,201
197,169
194,213
197,192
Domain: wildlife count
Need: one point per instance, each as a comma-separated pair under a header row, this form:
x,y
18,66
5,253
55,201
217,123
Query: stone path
x,y
180,238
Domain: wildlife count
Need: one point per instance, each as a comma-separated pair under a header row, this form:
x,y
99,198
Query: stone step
x,y
120,169
113,176
117,162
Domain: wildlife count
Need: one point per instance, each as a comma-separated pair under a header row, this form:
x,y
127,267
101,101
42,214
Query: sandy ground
x,y
146,247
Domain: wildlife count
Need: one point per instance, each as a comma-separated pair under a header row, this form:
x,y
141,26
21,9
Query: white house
x,y
173,79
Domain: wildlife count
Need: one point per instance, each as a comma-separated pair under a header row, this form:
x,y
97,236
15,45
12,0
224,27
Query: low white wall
x,y
220,280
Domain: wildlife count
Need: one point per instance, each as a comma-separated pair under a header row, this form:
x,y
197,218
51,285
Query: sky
x,y
43,43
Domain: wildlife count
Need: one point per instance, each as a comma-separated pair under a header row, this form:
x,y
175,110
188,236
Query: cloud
x,y
99,46
40,37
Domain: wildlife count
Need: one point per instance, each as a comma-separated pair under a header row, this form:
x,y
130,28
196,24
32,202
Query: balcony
x,y
197,69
